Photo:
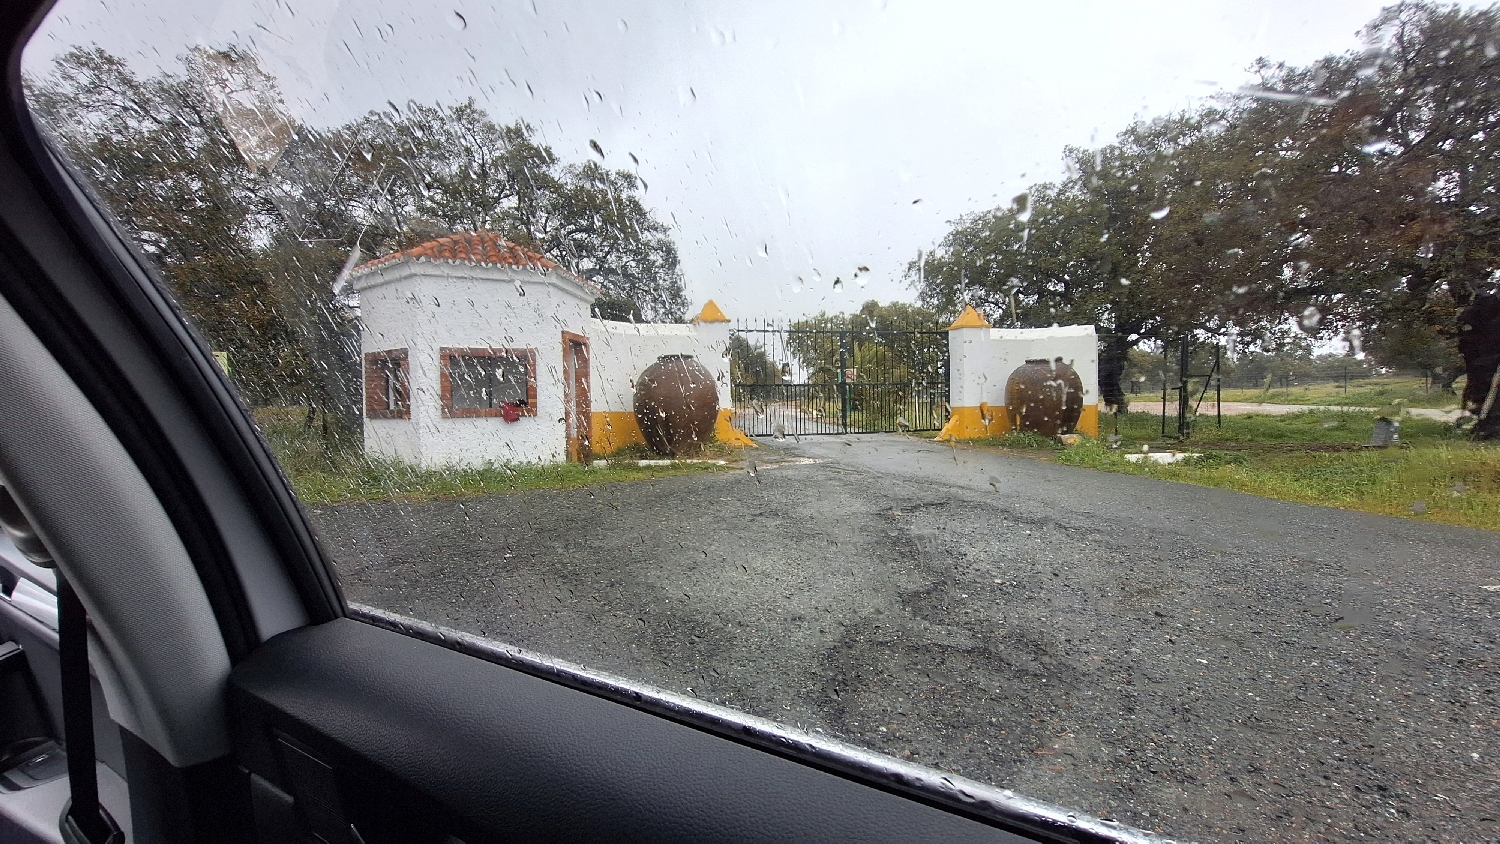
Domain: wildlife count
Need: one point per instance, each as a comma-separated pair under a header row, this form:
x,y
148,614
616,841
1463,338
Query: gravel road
x,y
1212,665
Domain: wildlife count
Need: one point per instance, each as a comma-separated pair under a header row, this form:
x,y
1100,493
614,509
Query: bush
x,y
1027,439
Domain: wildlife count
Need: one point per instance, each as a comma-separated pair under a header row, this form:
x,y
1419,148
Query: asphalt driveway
x,y
1206,663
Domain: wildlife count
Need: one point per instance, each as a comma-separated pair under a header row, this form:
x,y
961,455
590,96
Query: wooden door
x,y
577,417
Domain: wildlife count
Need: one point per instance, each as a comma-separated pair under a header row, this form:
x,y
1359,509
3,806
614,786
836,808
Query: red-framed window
x,y
387,385
480,382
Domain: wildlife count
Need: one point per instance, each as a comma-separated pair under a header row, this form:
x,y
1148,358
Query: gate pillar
x,y
971,416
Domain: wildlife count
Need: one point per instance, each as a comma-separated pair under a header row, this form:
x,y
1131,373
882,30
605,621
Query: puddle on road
x,y
1357,607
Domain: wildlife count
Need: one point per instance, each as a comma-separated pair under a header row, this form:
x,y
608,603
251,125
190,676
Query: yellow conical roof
x,y
970,318
711,313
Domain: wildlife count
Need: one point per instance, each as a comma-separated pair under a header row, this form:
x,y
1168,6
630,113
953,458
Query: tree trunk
x,y
1112,352
1479,343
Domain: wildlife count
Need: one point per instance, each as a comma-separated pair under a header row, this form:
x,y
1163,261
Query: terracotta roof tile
x,y
482,247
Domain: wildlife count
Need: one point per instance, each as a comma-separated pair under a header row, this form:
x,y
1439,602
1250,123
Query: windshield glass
x,y
1094,400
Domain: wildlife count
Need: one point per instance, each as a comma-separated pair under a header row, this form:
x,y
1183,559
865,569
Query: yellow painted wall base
x,y
614,430
617,429
973,423
1088,423
725,432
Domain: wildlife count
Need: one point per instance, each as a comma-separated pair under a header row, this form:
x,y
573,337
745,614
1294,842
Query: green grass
x,y
1312,426
1317,457
1022,440
1368,392
324,473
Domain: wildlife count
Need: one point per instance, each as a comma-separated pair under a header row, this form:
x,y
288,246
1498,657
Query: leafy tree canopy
x,y
250,216
1357,192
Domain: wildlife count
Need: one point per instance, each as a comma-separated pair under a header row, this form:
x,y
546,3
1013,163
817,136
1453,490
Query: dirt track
x,y
1205,663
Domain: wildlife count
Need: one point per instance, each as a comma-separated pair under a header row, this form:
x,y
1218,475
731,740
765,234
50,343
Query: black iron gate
x,y
825,377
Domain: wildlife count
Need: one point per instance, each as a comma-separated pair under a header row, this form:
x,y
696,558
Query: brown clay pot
x,y
1044,396
676,405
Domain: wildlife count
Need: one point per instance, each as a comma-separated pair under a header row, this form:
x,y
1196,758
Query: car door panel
x,y
508,756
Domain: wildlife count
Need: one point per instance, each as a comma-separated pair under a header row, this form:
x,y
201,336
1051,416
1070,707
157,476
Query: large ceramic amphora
x,y
676,405
1044,396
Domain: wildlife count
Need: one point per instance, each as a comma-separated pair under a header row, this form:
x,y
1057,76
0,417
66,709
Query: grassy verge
x,y
1316,457
1368,392
336,473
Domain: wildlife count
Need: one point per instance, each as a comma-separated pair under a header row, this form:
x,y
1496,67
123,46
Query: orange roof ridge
x,y
481,247
970,318
711,313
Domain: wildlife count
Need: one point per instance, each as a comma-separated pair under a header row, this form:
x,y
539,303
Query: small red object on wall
x,y
510,411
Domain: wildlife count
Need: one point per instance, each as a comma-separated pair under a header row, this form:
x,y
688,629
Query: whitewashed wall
x,y
385,327
425,306
621,351
982,359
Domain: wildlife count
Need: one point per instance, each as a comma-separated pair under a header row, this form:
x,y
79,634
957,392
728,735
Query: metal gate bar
x,y
800,379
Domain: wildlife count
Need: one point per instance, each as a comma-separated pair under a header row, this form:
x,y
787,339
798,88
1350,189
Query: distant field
x,y
1315,457
1368,392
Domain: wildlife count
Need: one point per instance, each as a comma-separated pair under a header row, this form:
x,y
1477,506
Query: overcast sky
x,y
780,139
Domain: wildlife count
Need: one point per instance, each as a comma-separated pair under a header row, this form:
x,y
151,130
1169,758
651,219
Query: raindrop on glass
x,y
1161,212
1022,204
1310,318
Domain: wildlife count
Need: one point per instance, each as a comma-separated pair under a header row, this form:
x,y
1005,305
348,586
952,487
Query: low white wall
x,y
620,351
982,359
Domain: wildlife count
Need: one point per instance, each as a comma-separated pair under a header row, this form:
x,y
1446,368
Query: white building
x,y
478,351
982,358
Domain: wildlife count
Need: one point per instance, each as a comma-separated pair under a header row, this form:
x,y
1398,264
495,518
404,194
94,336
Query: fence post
x,y
844,380
1184,389
1165,350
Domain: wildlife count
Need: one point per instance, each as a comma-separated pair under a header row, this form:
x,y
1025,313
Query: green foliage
x,y
320,474
750,363
1379,392
250,244
1359,186
1302,458
870,342
1023,440
1352,428
410,174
